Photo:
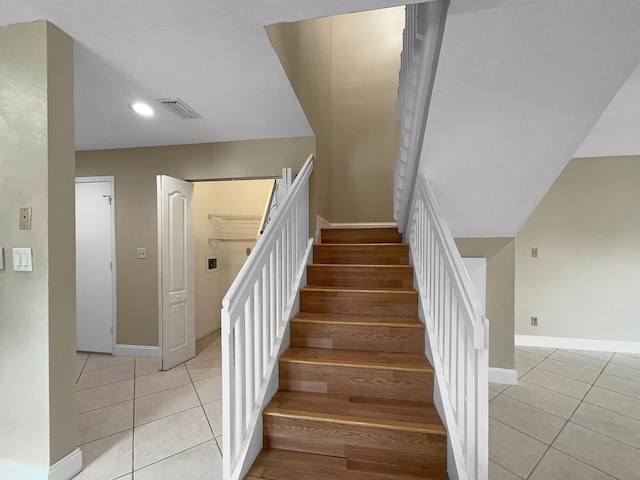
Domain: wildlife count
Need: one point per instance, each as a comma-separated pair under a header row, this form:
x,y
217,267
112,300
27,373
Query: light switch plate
x,y
22,260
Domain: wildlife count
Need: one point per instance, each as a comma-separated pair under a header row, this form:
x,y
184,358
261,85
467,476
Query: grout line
x,y
172,455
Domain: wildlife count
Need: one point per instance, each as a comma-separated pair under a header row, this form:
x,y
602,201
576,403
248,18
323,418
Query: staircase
x,y
356,390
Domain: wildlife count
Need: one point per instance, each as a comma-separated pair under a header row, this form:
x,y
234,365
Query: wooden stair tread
x,y
346,409
361,253
412,362
274,464
337,318
404,290
361,234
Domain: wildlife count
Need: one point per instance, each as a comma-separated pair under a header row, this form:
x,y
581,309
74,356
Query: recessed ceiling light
x,y
142,109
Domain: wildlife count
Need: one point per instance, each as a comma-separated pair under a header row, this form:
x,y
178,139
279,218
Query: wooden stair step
x,y
366,432
341,275
401,376
358,332
275,464
361,235
401,415
370,301
362,254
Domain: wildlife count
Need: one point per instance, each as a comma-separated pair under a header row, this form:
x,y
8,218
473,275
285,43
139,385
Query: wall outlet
x,y
248,251
212,264
25,218
142,253
534,252
534,321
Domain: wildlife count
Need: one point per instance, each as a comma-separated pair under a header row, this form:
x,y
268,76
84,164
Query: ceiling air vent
x,y
179,108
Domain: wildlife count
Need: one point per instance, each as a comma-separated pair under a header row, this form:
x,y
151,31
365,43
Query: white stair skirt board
x,y
578,343
64,469
506,376
137,351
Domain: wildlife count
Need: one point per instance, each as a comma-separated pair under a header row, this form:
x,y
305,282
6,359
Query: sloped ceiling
x,y
519,86
214,55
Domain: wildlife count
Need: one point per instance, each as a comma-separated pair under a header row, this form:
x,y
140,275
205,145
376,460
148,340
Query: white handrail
x,y
255,313
458,334
422,37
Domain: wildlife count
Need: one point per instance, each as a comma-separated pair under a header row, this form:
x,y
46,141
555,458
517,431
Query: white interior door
x,y
176,271
95,264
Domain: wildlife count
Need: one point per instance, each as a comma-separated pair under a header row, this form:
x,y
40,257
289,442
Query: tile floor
x,y
573,415
137,423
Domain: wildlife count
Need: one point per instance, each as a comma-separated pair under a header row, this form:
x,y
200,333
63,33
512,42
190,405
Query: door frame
x,y
114,277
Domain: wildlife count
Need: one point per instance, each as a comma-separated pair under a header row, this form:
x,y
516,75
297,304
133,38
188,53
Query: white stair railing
x,y
458,336
255,313
422,37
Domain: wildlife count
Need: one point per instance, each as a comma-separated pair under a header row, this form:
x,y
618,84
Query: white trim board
x,y
64,469
137,351
506,376
206,332
578,343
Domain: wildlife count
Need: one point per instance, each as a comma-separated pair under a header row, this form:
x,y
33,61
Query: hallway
x,y
137,422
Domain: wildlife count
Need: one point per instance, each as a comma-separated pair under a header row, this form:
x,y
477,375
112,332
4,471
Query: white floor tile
x,y
165,403
588,353
202,462
627,373
209,390
579,360
528,358
556,465
98,361
214,415
156,382
548,400
626,360
147,366
619,385
99,397
170,435
541,351
526,419
107,458
206,369
567,370
601,452
513,450
105,421
105,376
497,472
609,423
623,404
558,383
209,353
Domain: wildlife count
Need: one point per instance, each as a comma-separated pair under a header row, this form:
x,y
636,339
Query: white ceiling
x,y
214,55
519,86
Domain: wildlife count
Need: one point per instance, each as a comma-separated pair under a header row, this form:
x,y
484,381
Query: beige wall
x,y
364,84
344,70
247,197
585,281
304,48
37,310
135,173
500,255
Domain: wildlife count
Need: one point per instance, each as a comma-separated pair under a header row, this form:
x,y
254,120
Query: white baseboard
x,y
137,351
320,224
64,469
506,376
578,343
206,332
67,467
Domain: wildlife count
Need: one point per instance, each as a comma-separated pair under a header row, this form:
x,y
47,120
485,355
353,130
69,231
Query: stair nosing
x,y
360,324
403,291
355,364
357,244
365,265
356,420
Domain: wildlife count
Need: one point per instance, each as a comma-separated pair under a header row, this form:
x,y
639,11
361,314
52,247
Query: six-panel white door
x,y
176,271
